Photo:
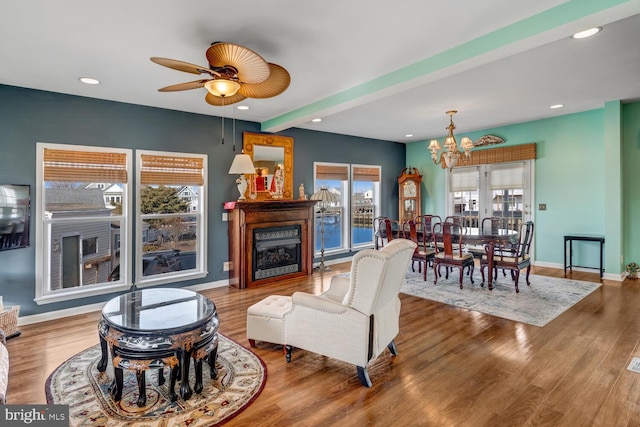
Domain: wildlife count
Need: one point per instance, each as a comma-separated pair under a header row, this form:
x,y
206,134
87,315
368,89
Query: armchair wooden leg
x,y
392,348
288,349
363,376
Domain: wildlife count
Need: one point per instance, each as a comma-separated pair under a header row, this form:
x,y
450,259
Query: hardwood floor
x,y
455,367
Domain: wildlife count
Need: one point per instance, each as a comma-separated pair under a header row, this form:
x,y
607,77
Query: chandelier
x,y
452,155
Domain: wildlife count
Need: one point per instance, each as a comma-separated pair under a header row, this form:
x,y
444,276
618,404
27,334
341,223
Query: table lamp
x,y
242,164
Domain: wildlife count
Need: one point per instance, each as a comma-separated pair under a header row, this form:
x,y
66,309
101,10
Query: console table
x,y
582,238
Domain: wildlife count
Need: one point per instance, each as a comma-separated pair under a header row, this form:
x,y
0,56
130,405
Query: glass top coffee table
x,y
154,328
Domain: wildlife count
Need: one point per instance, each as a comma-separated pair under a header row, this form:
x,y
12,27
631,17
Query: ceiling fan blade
x,y
184,86
277,83
222,101
183,66
252,68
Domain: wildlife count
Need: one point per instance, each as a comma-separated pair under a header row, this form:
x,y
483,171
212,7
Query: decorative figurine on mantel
x,y
278,177
301,195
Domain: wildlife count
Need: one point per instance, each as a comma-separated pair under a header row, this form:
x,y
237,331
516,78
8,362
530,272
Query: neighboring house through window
x,y
73,226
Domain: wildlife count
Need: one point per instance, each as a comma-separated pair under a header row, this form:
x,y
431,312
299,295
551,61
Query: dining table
x,y
477,242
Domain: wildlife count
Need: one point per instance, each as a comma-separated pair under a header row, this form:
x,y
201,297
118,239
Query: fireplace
x,y
276,251
270,241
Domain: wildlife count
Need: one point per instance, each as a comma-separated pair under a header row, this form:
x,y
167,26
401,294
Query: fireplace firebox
x,y
276,251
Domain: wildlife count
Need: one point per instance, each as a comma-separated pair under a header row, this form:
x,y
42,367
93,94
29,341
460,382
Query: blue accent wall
x,y
29,116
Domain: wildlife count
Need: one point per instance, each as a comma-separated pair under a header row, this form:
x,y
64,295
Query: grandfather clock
x,y
409,193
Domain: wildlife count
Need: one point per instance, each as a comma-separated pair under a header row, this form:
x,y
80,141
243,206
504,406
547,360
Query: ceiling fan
x,y
236,73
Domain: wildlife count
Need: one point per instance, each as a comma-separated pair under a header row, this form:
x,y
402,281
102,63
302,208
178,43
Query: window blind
x,y
466,179
508,176
171,170
84,166
364,173
334,172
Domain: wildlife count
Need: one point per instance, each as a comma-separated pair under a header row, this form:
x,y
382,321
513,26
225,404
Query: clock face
x,y
409,189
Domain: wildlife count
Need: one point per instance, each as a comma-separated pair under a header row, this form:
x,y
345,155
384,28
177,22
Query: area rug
x,y
538,304
77,382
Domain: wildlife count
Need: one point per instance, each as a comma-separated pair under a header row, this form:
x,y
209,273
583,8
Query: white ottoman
x,y
264,319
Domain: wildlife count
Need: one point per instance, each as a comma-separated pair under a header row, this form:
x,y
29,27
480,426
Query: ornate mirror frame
x,y
254,142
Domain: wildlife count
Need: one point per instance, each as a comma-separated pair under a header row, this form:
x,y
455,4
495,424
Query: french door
x,y
493,190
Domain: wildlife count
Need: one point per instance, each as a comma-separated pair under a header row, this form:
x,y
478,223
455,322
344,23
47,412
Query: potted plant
x,y
632,270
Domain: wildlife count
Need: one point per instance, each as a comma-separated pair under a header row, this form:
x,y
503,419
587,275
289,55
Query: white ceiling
x,y
374,69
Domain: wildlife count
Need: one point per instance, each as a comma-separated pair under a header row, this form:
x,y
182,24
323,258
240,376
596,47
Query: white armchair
x,y
358,316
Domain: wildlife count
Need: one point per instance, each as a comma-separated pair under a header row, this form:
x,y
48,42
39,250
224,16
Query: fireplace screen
x,y
276,251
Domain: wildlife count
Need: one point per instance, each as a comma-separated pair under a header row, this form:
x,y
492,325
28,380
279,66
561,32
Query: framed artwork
x,y
14,216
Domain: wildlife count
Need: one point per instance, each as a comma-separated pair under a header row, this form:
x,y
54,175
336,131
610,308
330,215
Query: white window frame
x,y
43,239
200,271
485,193
346,230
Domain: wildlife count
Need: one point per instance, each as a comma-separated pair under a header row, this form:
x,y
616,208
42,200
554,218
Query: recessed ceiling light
x,y
89,80
243,107
553,107
316,120
409,135
586,33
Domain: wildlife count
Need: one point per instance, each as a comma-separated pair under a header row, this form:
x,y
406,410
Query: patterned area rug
x,y
77,382
538,304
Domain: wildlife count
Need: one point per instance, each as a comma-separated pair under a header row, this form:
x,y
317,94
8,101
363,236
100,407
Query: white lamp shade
x,y
242,163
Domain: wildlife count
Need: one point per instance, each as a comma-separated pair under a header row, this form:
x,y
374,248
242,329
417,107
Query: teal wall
x,y
30,116
631,182
575,177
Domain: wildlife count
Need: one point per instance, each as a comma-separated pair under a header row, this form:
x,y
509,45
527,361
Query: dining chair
x,y
458,219
513,257
379,231
448,245
391,229
416,231
494,225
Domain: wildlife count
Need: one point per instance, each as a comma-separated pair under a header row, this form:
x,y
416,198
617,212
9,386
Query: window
x,y
74,227
90,246
348,223
492,190
171,241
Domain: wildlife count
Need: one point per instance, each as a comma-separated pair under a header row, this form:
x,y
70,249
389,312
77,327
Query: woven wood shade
x,y
332,172
366,174
171,170
84,166
500,155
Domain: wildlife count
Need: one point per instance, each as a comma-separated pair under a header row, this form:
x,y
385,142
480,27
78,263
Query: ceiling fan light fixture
x,y
222,87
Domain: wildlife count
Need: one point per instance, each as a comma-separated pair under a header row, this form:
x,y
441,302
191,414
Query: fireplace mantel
x,y
247,217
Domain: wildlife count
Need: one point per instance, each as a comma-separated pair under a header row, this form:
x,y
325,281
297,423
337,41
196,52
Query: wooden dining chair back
x,y
391,229
448,245
494,225
459,220
416,231
513,257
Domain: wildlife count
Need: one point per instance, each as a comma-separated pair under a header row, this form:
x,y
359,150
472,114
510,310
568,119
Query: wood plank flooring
x,y
455,367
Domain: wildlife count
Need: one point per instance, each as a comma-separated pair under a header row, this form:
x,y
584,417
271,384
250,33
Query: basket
x,y
9,319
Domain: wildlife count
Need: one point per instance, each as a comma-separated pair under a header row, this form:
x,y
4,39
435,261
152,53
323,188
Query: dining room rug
x,y
538,304
77,383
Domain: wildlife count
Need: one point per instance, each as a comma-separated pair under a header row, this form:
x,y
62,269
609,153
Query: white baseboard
x,y
607,276
74,311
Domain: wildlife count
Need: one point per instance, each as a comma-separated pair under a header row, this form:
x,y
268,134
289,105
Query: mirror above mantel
x,y
272,157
